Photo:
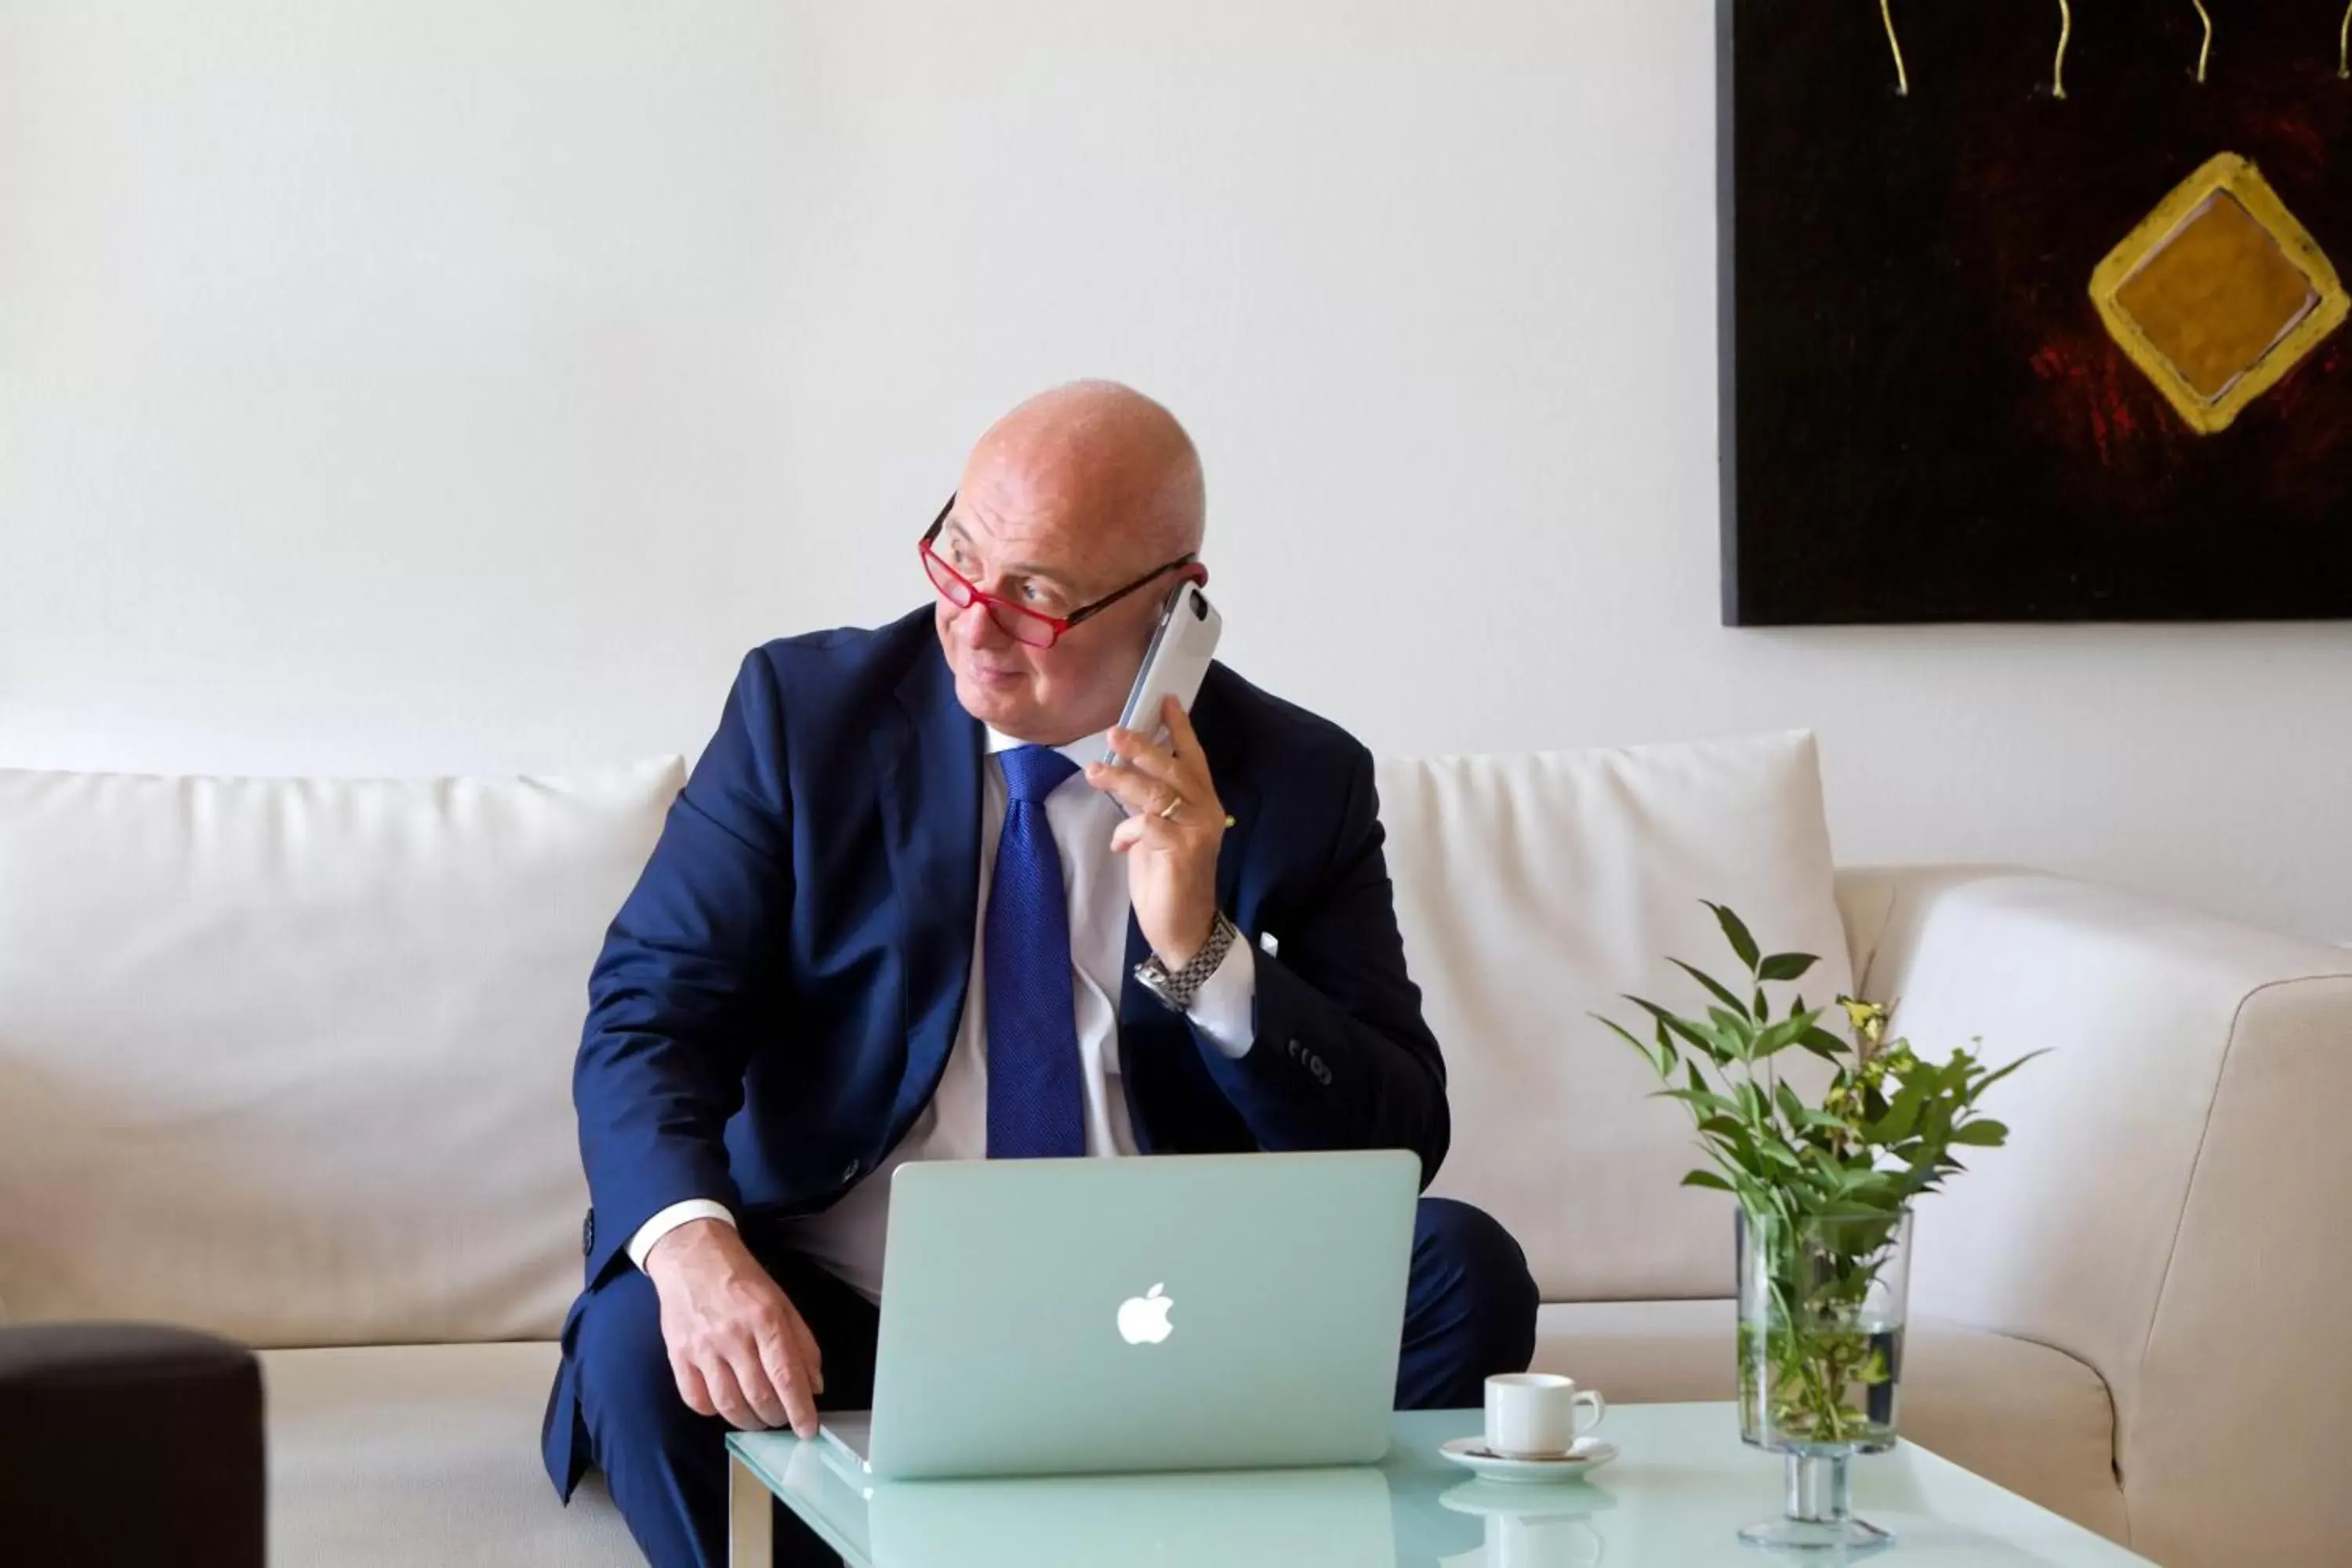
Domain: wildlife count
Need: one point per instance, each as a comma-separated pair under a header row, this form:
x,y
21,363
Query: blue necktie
x,y
1036,1098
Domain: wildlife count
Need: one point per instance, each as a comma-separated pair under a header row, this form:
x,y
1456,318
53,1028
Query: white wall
x,y
407,387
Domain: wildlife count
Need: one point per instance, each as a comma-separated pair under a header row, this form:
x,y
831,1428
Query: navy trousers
x,y
1470,1311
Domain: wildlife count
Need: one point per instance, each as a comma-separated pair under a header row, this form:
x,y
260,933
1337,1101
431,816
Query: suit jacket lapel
x,y
928,752
1227,753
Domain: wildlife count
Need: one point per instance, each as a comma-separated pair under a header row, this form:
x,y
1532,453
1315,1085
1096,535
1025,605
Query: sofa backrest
x,y
1535,891
291,1059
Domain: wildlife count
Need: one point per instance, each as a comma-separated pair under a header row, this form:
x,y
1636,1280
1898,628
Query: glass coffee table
x,y
1674,1499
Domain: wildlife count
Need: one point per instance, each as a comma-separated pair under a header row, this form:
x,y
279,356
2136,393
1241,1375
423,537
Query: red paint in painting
x,y
2313,431
2096,409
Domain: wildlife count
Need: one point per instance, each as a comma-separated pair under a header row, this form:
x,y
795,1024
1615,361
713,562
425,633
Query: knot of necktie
x,y
1033,773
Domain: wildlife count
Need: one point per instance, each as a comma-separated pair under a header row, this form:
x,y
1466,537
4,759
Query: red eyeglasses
x,y
1019,622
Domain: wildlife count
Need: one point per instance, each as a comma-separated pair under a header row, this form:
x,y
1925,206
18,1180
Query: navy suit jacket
x,y
776,1001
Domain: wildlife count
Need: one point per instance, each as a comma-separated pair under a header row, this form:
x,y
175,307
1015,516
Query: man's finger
x,y
1192,774
782,1359
1182,740
691,1388
737,1411
1130,788
800,1407
1152,761
766,1396
812,1353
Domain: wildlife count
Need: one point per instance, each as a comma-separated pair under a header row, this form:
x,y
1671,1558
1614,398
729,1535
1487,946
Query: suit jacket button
x,y
588,1234
849,1173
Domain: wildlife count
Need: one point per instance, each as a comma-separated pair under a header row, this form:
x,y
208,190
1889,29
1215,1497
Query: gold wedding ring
x,y
1174,801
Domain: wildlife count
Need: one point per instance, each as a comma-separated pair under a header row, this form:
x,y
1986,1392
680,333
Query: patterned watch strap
x,y
1177,988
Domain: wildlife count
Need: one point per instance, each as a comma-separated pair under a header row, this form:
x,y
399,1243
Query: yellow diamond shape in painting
x,y
2218,293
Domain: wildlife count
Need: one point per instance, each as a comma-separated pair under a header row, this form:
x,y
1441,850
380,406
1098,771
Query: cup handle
x,y
1590,1399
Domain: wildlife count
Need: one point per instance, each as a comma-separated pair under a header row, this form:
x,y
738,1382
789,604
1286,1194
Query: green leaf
x,y
1823,1044
1733,1027
1735,931
1688,1032
1780,1037
1984,1134
1785,966
1700,1099
1619,1030
1993,1078
1900,1118
1720,991
1953,1075
1706,1179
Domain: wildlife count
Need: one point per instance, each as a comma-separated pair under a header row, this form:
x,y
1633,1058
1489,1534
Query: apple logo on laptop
x,y
1143,1320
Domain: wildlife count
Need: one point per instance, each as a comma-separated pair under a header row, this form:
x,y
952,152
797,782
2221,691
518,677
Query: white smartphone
x,y
1175,663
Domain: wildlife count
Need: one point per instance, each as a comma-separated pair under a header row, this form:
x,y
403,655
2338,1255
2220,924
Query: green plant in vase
x,y
1825,1192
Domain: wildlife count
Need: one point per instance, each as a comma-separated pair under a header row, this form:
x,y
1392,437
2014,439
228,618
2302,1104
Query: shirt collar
x,y
1085,749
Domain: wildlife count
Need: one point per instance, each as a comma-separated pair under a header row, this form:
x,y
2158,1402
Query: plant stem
x,y
2065,34
1902,77
2206,53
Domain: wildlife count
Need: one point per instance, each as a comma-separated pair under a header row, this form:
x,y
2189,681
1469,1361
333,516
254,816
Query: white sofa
x,y
289,1060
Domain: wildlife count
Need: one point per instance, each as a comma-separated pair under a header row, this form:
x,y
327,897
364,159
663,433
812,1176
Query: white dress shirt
x,y
847,1239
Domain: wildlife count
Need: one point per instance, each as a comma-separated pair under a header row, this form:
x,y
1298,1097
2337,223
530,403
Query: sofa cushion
x,y
291,1059
1534,890
411,1454
2021,1415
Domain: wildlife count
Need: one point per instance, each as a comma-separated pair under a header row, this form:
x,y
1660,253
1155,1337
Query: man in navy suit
x,y
901,911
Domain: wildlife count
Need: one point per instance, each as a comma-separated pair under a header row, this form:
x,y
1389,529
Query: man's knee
x,y
1463,1257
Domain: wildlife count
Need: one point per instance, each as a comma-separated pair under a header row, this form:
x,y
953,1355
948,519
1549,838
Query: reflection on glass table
x,y
1675,1499
1299,1519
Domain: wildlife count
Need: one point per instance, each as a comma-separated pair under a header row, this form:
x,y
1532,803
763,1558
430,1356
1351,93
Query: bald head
x,y
1101,456
1075,495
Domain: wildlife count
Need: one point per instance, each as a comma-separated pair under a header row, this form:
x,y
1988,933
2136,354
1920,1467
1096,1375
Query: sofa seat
x,y
400,1455
2023,1416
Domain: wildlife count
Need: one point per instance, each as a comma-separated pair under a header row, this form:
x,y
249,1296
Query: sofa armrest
x,y
125,1443
2169,1207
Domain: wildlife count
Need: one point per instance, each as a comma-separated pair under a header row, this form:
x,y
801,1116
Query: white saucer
x,y
1472,1453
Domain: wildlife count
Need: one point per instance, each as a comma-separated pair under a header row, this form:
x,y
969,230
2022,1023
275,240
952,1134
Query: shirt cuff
x,y
1225,1006
669,1219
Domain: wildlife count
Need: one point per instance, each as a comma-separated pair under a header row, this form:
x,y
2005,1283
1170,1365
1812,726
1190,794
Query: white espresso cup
x,y
1532,1415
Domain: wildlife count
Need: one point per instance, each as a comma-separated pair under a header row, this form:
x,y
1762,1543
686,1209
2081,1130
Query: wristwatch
x,y
1176,988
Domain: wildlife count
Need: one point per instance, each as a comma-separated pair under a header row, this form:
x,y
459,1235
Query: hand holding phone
x,y
1174,664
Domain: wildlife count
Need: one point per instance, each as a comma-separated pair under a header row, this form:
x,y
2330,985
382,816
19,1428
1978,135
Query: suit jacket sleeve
x,y
687,973
1340,1057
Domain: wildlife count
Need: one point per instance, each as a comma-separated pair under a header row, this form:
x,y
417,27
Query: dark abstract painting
x,y
2036,310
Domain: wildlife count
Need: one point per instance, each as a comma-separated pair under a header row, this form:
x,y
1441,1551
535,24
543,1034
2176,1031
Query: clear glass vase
x,y
1822,1309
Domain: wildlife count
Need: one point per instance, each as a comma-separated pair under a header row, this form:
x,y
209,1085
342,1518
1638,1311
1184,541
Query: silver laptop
x,y
1048,1316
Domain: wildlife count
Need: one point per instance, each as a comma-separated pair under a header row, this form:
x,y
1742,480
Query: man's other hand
x,y
737,1345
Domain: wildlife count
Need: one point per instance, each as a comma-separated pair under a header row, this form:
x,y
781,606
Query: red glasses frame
x,y
1027,625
